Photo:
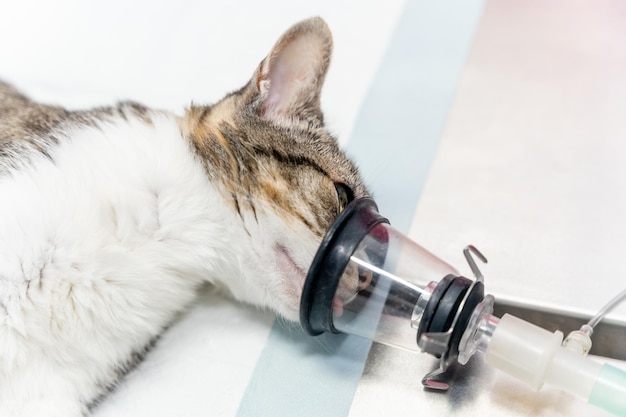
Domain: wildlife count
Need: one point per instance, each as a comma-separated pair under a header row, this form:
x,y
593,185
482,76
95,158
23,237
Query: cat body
x,y
112,218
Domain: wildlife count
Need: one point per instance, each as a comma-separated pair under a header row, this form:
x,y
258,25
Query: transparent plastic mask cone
x,y
384,287
370,280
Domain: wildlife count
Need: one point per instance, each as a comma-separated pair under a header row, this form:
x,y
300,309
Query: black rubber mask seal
x,y
331,259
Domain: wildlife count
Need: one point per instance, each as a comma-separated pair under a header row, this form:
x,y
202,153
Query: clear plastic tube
x,y
607,309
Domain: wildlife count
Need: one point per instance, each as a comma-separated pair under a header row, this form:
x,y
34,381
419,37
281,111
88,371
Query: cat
x,y
112,218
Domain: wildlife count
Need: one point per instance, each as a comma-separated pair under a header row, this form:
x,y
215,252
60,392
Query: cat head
x,y
279,169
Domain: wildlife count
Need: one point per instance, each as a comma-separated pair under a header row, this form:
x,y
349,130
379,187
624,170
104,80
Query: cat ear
x,y
289,80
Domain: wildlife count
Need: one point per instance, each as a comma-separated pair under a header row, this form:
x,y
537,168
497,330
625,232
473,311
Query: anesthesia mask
x,y
368,279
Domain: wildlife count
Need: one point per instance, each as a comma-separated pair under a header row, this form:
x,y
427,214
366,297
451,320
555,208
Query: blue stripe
x,y
298,375
403,117
394,141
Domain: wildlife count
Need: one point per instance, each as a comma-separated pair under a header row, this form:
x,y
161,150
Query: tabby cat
x,y
112,218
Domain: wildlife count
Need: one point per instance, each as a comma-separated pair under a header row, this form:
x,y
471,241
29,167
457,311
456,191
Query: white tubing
x,y
522,349
573,373
535,356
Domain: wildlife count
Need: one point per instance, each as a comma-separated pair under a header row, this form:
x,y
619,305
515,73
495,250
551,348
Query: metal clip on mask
x,y
370,280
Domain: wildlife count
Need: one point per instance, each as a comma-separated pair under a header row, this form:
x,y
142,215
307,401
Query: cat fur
x,y
112,218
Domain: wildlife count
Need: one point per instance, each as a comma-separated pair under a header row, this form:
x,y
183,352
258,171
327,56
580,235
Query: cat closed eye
x,y
344,195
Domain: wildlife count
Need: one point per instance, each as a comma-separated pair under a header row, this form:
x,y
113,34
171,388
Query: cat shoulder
x,y
30,130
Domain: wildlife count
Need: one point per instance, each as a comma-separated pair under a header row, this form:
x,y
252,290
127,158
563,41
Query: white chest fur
x,y
99,248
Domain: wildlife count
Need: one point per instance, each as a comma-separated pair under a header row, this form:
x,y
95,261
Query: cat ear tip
x,y
317,24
